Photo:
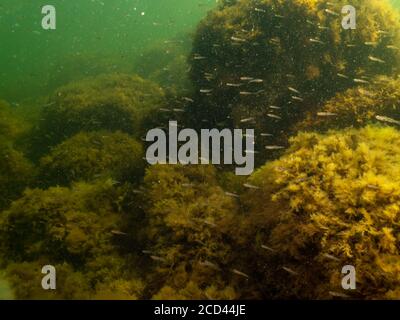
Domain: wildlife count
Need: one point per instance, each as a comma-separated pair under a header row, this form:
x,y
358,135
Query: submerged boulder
x,y
332,200
114,102
87,156
263,64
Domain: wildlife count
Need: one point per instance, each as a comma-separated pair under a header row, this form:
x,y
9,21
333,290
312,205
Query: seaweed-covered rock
x,y
332,200
16,173
91,155
10,126
189,219
264,63
75,230
357,107
106,102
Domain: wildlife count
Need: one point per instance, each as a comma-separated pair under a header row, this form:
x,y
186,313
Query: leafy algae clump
x,y
189,217
106,102
267,61
16,173
86,156
73,229
357,107
335,200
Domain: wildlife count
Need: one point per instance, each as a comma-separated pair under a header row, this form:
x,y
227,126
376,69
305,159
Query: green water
x,y
118,30
148,37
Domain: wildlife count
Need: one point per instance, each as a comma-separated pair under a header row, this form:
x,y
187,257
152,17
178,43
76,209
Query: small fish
x,y
274,147
246,78
279,16
235,271
206,90
290,271
198,57
294,90
326,114
259,10
188,99
312,40
341,75
236,39
230,194
266,135
187,185
297,98
274,107
387,119
350,45
235,85
332,13
360,81
147,252
274,116
372,186
268,248
118,233
370,43
209,264
323,28
338,294
392,47
257,81
331,257
246,93
250,186
156,258
251,151
246,120
178,110
375,59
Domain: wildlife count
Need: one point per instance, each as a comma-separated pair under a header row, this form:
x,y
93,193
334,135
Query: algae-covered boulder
x,y
10,125
87,156
264,63
76,230
16,173
357,107
189,216
106,102
332,200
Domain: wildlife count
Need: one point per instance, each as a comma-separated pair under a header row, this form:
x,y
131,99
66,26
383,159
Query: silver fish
x,y
332,13
274,116
375,59
246,120
235,271
268,248
312,40
290,271
250,186
360,81
294,90
274,147
326,114
387,119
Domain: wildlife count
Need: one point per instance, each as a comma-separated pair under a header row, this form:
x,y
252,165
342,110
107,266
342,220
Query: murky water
x,y
315,92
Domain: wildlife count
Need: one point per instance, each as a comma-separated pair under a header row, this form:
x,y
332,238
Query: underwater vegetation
x,y
356,107
112,102
74,228
87,156
264,63
188,221
336,201
76,193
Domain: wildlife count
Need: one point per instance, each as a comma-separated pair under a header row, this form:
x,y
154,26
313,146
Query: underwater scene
x,y
200,149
